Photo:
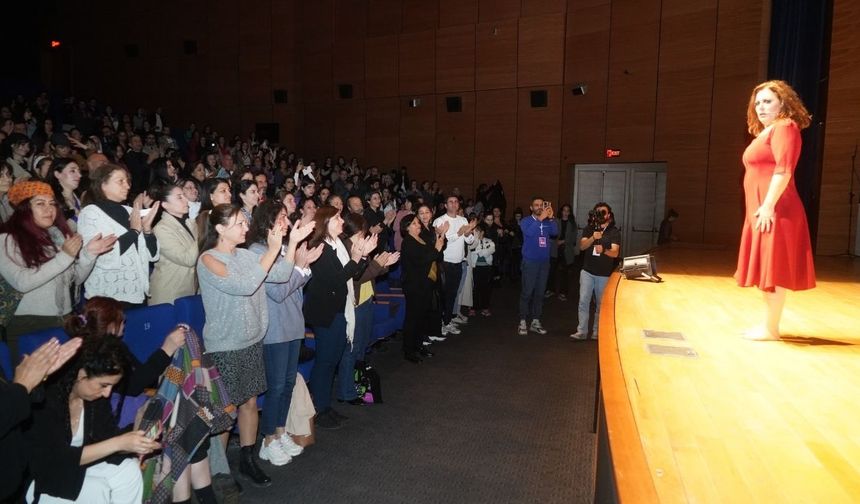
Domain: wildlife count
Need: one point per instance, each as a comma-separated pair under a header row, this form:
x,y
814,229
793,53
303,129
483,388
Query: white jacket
x,y
124,277
484,248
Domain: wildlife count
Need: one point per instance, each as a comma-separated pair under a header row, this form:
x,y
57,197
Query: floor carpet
x,y
493,418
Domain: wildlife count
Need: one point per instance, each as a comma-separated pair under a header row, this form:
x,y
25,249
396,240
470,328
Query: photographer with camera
x,y
537,230
601,242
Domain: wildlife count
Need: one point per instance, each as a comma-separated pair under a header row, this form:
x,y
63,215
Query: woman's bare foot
x,y
761,334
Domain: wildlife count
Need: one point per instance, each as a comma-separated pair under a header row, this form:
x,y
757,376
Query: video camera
x,y
596,219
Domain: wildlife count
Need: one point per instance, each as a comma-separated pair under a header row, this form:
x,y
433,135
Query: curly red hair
x,y
792,106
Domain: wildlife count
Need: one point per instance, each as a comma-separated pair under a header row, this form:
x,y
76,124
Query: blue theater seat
x,y
6,362
189,310
145,329
29,342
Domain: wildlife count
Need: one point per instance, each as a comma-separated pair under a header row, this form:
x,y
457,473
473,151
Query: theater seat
x,y
6,362
189,310
29,342
384,321
145,329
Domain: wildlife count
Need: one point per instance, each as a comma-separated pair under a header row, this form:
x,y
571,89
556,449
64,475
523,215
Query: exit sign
x,y
611,153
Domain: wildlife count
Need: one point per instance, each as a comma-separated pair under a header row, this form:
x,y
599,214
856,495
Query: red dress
x,y
783,256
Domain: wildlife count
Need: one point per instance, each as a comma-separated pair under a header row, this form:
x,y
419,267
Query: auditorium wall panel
x,y
383,131
496,139
318,132
383,17
687,41
496,55
542,7
538,146
418,136
417,63
317,30
842,133
496,10
380,63
738,67
419,15
633,58
455,59
348,67
350,120
455,142
457,12
540,55
350,20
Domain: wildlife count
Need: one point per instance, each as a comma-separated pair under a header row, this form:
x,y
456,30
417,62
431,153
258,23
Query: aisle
x,y
492,418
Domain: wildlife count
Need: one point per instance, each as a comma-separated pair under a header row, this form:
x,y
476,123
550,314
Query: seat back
x,y
145,329
29,342
189,310
6,362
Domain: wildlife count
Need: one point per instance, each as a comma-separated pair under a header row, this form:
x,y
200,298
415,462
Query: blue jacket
x,y
536,238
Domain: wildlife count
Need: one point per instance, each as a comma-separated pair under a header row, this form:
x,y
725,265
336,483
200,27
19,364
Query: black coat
x,y
416,259
15,411
326,291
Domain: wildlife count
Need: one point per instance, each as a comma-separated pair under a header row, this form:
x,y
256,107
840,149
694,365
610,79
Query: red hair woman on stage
x,y
775,252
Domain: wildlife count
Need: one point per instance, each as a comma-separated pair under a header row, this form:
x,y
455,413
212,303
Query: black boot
x,y
249,468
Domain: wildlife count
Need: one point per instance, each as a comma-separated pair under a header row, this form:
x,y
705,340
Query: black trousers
x,y
482,276
450,285
418,310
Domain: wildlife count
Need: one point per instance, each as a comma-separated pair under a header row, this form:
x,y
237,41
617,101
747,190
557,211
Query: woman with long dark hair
x,y
122,274
236,317
285,331
38,259
246,195
420,277
64,176
76,450
329,305
214,192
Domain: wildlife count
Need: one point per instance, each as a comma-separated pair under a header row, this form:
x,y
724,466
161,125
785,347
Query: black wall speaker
x,y
132,50
538,98
344,91
454,103
269,131
280,95
190,47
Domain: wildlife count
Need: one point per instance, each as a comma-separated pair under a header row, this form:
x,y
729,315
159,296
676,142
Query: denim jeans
x,y
534,277
590,284
330,342
282,362
363,328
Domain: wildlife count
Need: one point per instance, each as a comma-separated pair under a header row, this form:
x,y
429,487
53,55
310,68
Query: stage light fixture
x,y
641,267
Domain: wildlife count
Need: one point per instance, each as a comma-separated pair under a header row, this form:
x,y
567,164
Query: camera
x,y
596,219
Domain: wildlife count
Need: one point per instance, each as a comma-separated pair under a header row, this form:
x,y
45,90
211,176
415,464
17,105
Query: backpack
x,y
368,385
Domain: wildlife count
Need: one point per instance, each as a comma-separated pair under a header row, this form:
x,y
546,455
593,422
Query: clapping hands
x,y
305,257
386,259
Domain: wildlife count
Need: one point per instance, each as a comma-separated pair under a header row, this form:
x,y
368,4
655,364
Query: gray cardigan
x,y
284,302
236,312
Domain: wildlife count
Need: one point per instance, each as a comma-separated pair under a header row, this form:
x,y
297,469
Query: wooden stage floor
x,y
742,421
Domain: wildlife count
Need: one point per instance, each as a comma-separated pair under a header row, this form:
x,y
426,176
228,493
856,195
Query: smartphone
x,y
547,204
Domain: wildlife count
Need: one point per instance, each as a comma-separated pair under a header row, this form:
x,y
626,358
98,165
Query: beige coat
x,y
175,274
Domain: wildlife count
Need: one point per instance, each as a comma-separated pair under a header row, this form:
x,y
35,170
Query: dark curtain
x,y
800,55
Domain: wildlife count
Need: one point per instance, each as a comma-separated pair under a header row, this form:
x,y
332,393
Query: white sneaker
x,y
536,327
578,336
289,446
451,328
274,454
522,330
436,338
460,319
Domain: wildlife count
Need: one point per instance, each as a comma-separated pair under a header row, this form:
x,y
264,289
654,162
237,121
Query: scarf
x,y
190,405
349,309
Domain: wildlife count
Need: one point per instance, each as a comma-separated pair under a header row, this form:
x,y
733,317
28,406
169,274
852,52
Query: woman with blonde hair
x,y
775,252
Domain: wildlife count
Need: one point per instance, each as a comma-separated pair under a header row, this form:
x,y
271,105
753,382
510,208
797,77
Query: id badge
x,y
542,241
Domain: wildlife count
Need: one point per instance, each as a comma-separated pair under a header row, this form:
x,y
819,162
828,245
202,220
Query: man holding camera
x,y
537,229
601,242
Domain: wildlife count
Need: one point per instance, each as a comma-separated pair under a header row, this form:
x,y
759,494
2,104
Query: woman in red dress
x,y
775,253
